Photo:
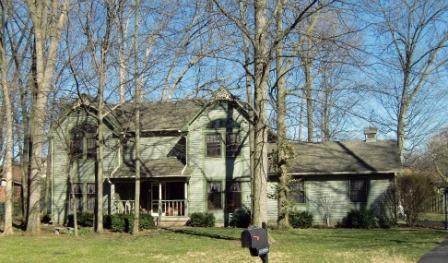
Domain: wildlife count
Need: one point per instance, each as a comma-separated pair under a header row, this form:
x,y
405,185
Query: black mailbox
x,y
256,239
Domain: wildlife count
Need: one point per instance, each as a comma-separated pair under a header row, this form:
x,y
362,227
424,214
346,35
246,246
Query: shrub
x,y
201,220
363,218
414,191
386,222
301,219
146,222
240,218
83,219
124,223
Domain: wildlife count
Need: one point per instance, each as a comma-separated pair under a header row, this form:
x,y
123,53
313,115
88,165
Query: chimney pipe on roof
x,y
370,134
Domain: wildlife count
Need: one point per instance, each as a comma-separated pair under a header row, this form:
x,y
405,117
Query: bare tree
x,y
48,18
282,142
415,37
137,103
263,46
8,140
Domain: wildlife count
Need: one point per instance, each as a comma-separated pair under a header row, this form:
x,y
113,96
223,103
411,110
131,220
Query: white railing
x,y
124,206
169,207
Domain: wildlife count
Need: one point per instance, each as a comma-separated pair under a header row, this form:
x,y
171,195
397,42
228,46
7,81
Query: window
x,y
297,191
223,123
83,141
233,196
76,197
91,197
358,190
77,143
214,195
214,142
233,144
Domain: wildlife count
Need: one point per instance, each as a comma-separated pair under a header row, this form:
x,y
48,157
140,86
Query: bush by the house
x,y
364,218
240,218
83,219
124,223
301,219
414,191
201,220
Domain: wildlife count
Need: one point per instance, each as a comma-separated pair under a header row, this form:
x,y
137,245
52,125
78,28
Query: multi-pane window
x,y
214,142
77,143
297,191
233,196
358,190
76,197
91,197
214,195
83,141
223,123
233,144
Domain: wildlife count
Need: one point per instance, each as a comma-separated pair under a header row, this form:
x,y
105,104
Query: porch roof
x,y
168,167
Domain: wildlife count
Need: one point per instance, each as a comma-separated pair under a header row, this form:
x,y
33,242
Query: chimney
x,y
370,134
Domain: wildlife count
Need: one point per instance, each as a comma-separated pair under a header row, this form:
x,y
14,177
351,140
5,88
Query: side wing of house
x,y
218,157
331,179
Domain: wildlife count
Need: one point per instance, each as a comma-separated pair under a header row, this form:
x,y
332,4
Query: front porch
x,y
164,200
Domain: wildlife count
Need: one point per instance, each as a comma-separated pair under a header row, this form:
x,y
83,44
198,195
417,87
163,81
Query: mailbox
x,y
256,239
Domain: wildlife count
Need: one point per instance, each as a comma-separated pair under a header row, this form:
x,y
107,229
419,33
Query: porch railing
x,y
170,207
124,206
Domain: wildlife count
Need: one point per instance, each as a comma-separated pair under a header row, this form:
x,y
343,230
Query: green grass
x,y
222,245
432,217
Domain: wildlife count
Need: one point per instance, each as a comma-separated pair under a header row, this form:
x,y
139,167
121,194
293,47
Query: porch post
x,y
160,202
112,199
186,198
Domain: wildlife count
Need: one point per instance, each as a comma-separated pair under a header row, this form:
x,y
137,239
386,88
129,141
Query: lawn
x,y
222,245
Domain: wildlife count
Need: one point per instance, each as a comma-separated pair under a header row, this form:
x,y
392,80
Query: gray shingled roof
x,y
166,167
345,157
159,116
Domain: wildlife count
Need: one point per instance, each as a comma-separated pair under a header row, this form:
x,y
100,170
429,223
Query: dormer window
x,y
83,141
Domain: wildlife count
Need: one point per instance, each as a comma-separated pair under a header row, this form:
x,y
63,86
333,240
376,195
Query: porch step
x,y
173,221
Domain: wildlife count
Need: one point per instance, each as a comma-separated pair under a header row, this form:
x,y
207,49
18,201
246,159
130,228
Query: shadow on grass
x,y
194,232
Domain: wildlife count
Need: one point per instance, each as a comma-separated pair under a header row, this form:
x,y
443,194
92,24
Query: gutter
x,y
346,173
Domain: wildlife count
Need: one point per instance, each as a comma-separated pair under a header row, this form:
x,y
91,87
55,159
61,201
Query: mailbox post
x,y
256,239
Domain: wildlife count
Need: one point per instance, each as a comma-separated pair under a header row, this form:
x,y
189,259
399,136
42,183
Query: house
x,y
195,157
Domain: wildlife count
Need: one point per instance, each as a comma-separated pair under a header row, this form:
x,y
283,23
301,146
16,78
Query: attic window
x,y
223,123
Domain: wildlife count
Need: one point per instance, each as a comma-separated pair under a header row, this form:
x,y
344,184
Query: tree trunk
x,y
138,94
45,61
8,140
283,215
122,61
100,159
309,99
261,128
